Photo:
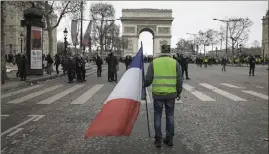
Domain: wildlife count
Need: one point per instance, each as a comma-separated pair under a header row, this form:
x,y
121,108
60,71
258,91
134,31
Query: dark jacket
x,y
112,62
49,59
252,61
150,76
57,60
99,61
23,64
223,61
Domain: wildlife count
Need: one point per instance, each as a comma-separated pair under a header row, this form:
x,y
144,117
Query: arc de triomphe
x,y
156,21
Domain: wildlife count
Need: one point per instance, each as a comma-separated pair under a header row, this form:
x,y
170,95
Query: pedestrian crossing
x,y
222,92
34,92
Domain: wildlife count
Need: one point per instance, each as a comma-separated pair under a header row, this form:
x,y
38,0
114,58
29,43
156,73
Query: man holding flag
x,y
165,75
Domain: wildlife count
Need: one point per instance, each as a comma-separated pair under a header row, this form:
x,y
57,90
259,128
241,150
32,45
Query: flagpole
x,y
143,73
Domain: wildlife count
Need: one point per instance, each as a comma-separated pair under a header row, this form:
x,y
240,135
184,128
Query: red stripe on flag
x,y
116,118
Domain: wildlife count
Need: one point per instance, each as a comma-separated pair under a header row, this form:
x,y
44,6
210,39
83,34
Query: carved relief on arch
x,y
162,42
130,45
141,27
129,29
164,30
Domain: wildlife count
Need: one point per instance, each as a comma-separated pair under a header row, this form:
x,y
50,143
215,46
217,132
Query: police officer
x,y
165,75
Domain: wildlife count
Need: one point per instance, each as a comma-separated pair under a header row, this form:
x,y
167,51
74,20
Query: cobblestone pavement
x,y
220,113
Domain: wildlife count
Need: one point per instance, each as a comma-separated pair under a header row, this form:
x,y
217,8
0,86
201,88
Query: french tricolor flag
x,y
122,106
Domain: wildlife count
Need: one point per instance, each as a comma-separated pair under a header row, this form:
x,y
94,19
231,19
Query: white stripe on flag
x,y
87,95
20,91
198,94
222,92
256,94
32,95
60,95
231,86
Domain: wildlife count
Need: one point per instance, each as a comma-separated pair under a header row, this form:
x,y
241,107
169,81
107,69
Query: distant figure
x,y
99,63
18,61
49,64
112,62
23,67
69,65
184,66
57,62
252,63
223,63
83,68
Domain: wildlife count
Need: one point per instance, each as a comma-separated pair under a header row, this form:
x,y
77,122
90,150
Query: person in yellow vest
x,y
165,76
206,61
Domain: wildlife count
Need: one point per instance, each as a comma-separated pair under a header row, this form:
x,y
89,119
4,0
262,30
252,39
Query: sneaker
x,y
188,79
158,143
168,142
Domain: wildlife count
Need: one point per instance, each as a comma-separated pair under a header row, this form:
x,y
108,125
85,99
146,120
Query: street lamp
x,y
21,41
227,24
65,42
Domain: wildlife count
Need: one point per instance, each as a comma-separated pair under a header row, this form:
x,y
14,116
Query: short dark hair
x,y
166,48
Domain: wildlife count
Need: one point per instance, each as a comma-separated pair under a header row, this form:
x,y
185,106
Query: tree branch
x,y
61,15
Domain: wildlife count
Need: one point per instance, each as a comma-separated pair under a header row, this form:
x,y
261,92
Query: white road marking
x,y
60,95
3,150
91,72
4,115
15,132
38,117
20,91
222,92
179,101
198,94
32,95
33,117
256,94
87,95
231,86
149,100
258,87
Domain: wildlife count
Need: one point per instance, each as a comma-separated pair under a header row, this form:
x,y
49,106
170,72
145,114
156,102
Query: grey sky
x,y
191,16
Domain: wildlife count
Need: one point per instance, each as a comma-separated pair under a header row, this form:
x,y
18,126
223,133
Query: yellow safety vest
x,y
164,81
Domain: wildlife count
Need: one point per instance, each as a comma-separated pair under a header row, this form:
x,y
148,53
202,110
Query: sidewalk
x,y
14,82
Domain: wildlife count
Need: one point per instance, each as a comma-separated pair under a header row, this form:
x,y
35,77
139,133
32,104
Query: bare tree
x,y
103,16
61,8
255,44
213,37
238,29
184,45
111,35
204,39
221,36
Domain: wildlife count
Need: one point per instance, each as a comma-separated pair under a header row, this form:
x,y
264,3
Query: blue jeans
x,y
169,112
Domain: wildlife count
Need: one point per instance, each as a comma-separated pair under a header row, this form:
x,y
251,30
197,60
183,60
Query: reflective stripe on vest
x,y
164,81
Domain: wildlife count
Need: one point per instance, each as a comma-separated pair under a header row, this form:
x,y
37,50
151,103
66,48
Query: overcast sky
x,y
189,17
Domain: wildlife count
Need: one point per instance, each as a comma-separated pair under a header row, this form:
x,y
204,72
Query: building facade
x,y
13,30
265,33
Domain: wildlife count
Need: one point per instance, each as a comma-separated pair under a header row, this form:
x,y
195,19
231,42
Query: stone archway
x,y
156,21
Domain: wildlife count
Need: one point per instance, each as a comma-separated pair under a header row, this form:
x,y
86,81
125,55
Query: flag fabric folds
x,y
122,106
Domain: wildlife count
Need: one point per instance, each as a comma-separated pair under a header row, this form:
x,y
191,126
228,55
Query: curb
x,y
34,81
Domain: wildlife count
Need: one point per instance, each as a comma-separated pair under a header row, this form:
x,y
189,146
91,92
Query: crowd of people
x,y
75,66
